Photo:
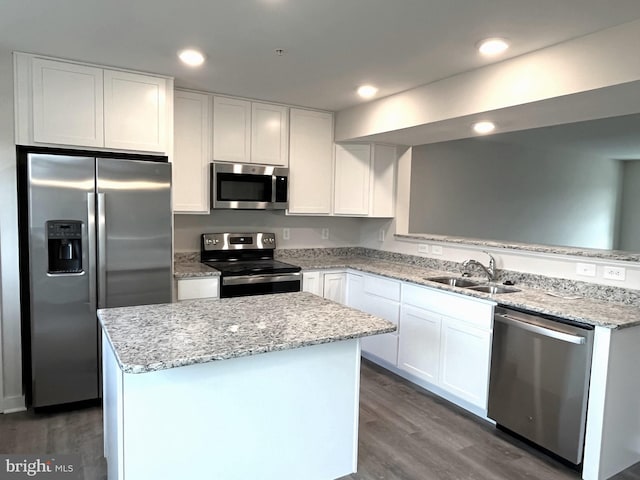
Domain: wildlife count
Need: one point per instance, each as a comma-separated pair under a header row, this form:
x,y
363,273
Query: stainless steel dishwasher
x,y
539,381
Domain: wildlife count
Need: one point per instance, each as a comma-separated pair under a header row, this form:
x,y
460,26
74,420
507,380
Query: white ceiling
x,y
331,46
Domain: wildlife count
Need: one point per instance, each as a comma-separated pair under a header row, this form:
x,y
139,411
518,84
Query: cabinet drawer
x,y
382,287
476,312
384,346
382,307
191,288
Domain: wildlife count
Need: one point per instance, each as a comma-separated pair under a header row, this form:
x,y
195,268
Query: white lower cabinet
x,y
334,286
330,285
419,346
380,297
312,283
465,353
445,340
200,287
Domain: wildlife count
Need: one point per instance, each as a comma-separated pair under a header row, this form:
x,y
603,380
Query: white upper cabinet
x,y
310,162
364,180
71,104
383,181
231,130
352,179
269,134
250,132
135,111
191,152
67,103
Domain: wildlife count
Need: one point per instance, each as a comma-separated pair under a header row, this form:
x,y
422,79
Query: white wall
x,y
579,66
490,190
630,210
11,386
305,232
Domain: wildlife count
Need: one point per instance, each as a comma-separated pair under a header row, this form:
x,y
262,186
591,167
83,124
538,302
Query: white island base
x,y
289,414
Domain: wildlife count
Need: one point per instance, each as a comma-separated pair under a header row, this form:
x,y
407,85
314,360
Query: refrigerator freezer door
x,y
63,327
134,232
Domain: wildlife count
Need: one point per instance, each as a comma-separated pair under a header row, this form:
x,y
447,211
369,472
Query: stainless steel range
x,y
246,264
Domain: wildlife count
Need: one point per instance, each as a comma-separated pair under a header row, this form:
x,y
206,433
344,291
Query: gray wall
x,y
482,189
305,232
630,210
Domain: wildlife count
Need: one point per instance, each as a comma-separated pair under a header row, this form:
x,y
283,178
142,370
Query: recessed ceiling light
x,y
367,91
193,58
483,128
492,46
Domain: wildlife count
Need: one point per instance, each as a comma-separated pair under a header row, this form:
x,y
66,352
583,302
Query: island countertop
x,y
147,338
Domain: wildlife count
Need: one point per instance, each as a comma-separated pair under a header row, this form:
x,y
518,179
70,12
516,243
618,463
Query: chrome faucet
x,y
490,270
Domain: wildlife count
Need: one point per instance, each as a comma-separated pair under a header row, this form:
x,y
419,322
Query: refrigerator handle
x,y
91,248
102,253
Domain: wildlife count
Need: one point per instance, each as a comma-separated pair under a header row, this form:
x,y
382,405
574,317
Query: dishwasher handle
x,y
545,331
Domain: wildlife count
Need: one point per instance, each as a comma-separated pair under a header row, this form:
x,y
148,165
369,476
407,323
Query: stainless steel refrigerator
x,y
95,233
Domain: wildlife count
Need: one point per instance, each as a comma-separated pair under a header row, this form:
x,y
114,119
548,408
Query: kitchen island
x,y
252,387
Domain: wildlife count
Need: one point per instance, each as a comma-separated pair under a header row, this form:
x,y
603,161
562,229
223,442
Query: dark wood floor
x,y
405,434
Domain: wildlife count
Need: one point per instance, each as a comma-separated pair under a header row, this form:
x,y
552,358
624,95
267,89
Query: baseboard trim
x,y
13,404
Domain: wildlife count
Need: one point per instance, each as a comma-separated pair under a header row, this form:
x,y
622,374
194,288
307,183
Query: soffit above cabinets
x,y
329,47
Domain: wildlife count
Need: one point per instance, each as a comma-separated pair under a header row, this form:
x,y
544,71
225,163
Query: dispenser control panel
x,y
64,242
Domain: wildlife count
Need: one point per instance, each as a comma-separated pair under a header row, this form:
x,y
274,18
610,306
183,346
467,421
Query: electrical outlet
x,y
614,273
381,233
586,269
286,234
423,248
436,249
325,234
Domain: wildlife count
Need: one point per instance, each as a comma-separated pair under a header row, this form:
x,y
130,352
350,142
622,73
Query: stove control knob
x,y
216,241
208,241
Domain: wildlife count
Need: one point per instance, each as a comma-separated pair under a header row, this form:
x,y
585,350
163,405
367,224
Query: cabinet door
x,y
419,345
191,288
355,291
383,178
464,361
135,111
310,162
191,152
352,176
231,130
269,134
311,282
67,104
334,287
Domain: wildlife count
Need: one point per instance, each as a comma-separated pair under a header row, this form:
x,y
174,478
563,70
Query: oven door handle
x,y
547,332
252,279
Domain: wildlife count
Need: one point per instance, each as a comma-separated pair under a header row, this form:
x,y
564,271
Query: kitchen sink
x,y
493,289
453,281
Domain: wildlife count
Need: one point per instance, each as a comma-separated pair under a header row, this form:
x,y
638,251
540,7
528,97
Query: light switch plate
x,y
614,273
324,235
423,248
586,269
286,234
381,235
436,249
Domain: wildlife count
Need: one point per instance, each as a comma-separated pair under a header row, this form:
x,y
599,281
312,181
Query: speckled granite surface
x,y
156,337
598,304
617,255
193,269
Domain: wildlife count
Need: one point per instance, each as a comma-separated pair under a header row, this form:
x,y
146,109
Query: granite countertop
x,y
193,270
156,337
583,309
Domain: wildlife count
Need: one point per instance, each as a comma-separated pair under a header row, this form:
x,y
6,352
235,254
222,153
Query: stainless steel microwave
x,y
249,187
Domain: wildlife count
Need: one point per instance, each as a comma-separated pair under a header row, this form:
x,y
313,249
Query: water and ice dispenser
x,y
64,243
